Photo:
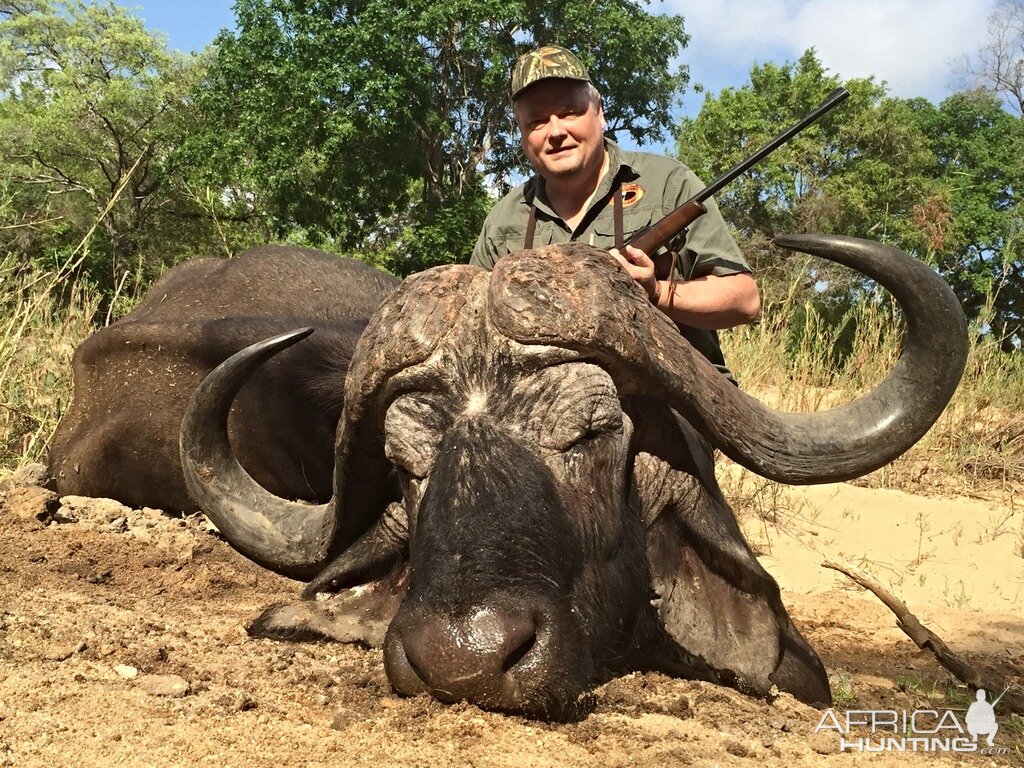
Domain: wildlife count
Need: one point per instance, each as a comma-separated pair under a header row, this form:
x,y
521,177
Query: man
x,y
587,189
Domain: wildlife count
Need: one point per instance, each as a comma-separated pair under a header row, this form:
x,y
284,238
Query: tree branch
x,y
925,639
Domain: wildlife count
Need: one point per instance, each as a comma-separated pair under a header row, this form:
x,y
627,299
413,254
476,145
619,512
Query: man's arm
x,y
712,302
484,254
717,290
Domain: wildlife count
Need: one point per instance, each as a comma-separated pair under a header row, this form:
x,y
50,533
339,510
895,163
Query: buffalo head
x,y
524,491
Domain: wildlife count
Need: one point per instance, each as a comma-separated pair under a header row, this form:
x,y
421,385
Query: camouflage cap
x,y
544,63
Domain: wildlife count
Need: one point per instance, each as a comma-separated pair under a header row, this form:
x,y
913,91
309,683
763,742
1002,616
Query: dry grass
x,y
44,321
975,448
46,314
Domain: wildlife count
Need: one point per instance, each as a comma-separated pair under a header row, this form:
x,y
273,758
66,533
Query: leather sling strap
x,y
531,222
618,218
531,227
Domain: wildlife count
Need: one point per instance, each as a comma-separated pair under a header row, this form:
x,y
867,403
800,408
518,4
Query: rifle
x,y
651,238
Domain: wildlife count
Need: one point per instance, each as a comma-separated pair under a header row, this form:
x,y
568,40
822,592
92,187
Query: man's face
x,y
561,130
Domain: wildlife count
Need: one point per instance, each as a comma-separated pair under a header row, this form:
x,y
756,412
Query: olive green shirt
x,y
652,187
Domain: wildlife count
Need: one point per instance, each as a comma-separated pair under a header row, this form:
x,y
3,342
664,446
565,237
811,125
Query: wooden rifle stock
x,y
662,232
649,239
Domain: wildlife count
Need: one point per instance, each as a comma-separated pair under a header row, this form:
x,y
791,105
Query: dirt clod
x,y
32,505
126,671
825,743
171,686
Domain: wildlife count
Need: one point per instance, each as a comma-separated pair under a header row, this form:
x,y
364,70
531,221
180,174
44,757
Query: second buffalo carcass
x,y
524,498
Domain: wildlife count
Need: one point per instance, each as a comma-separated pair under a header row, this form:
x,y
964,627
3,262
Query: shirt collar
x,y
619,172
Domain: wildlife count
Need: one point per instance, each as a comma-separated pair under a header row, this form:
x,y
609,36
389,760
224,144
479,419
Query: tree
x,y
976,217
91,103
861,170
940,182
375,125
992,263
999,65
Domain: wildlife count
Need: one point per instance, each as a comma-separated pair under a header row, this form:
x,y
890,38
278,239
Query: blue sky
x,y
190,25
910,44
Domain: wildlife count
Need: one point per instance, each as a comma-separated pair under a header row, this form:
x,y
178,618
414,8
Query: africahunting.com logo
x,y
919,730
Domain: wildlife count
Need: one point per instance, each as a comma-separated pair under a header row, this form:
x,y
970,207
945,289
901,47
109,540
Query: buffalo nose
x,y
474,657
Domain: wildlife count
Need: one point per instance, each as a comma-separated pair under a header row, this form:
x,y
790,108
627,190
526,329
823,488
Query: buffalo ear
x,y
355,597
360,614
718,613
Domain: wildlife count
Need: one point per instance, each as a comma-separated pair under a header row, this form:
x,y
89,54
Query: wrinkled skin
x,y
531,508
517,467
539,524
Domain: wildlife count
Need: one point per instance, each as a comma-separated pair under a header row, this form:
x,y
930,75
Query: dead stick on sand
x,y
926,639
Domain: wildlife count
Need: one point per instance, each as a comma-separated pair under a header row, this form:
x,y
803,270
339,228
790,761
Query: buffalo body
x,y
523,498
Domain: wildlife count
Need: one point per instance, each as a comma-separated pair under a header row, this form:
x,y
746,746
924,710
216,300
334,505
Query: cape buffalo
x,y
523,496
133,379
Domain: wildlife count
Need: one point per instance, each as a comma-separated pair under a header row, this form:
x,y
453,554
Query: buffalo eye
x,y
582,420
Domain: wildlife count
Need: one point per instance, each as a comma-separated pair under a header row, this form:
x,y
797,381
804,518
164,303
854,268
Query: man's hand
x,y
640,267
711,301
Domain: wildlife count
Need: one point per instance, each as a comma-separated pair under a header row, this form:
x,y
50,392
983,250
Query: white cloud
x,y
908,43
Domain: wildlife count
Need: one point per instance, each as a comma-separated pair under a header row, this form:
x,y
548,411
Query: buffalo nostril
x,y
505,637
415,668
405,676
519,652
511,657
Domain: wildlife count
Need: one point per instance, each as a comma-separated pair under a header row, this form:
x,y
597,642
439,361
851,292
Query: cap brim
x,y
548,77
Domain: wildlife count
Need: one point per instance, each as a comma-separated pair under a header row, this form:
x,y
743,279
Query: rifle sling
x,y
616,196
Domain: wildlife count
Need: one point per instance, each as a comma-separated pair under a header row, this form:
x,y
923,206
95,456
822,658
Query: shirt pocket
x,y
515,242
632,222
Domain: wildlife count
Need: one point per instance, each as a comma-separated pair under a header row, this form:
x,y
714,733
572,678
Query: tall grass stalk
x,y
45,318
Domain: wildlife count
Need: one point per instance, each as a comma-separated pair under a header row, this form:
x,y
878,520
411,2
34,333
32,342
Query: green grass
x,y
843,696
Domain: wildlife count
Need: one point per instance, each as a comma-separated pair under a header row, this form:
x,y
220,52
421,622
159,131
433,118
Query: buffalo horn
x,y
292,538
568,295
296,539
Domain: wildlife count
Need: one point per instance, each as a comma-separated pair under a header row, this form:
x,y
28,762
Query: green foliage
x,y
858,170
843,695
353,120
975,222
92,105
436,237
940,182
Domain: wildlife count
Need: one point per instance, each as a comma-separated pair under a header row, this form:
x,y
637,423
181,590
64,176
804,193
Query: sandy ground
x,y
122,643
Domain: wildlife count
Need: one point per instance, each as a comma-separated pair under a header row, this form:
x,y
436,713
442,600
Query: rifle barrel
x,y
832,100
1000,697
